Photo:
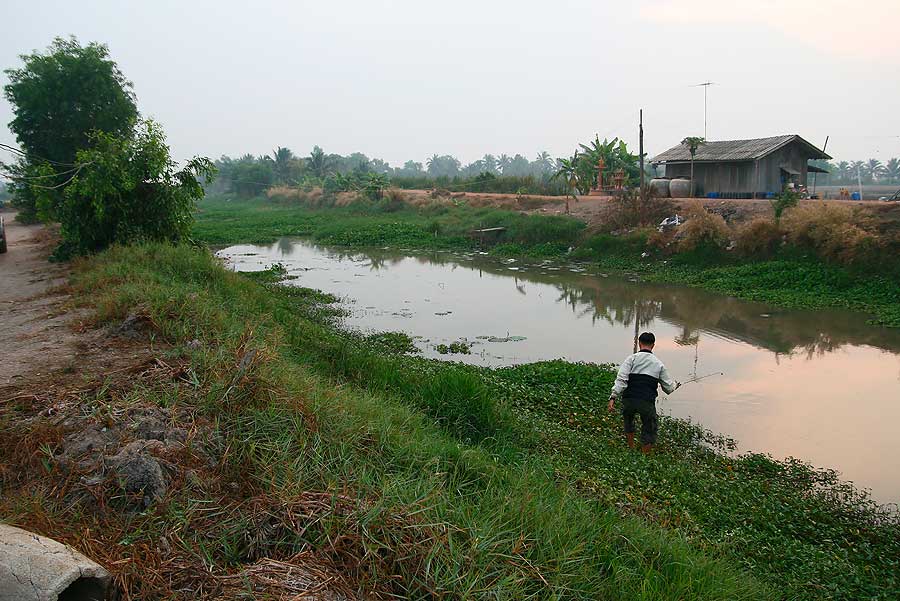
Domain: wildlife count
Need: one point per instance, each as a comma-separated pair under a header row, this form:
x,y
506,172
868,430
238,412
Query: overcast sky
x,y
405,79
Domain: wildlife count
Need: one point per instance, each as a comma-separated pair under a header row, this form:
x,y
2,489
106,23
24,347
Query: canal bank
x,y
790,375
510,463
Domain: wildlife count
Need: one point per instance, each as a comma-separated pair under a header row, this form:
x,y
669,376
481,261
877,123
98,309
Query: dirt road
x,y
35,336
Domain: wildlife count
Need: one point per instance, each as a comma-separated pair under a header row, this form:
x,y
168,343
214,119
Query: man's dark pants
x,y
649,421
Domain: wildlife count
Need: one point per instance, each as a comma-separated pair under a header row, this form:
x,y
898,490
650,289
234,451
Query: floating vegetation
x,y
507,338
460,347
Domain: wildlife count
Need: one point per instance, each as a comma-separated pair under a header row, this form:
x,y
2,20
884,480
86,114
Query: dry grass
x,y
702,228
631,211
286,194
760,237
834,232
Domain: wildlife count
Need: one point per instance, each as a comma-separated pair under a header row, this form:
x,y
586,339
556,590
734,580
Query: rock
x,y
133,326
139,472
36,568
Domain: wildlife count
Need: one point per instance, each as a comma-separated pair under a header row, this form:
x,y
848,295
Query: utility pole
x,y
705,85
816,174
641,149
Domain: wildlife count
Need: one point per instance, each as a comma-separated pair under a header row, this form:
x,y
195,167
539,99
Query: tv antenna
x,y
705,85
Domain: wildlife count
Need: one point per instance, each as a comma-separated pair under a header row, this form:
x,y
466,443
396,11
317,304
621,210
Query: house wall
x,y
745,177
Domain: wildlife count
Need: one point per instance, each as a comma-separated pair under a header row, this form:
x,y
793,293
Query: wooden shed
x,y
743,168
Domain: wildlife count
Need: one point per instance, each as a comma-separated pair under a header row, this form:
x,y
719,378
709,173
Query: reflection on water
x,y
819,385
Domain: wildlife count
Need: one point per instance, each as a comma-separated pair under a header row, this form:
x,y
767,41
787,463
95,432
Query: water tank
x,y
659,187
680,188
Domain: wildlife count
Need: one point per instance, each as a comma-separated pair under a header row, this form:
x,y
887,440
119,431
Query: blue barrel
x,y
855,196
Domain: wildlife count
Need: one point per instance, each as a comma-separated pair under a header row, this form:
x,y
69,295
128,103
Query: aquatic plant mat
x,y
280,456
793,277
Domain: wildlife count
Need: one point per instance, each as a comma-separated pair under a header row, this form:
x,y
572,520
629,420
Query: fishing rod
x,y
717,373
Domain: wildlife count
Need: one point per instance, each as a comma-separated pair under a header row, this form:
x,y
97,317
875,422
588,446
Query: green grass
x,y
512,483
795,279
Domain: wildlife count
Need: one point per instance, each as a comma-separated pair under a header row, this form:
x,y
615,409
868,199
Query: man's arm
x,y
666,382
621,380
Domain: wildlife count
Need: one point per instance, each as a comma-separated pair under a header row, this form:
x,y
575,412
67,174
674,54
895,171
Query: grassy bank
x,y
791,279
447,481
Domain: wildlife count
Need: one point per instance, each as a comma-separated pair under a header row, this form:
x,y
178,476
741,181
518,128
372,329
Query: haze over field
x,y
402,80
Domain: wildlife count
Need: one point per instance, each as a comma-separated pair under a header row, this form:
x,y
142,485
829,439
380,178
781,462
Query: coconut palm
x,y
843,172
283,160
319,163
503,163
543,163
874,169
489,164
892,171
857,171
693,143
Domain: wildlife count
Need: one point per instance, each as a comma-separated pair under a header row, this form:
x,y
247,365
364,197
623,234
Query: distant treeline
x,y
872,171
250,175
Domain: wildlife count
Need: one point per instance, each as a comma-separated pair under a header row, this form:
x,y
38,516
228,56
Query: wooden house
x,y
743,168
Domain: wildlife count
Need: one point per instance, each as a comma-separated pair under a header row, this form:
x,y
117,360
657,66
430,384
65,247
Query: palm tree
x,y
567,170
543,162
320,164
489,164
843,172
693,143
857,170
282,157
874,169
503,163
892,171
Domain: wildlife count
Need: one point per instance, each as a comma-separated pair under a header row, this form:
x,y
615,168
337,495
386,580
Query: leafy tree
x,y
489,164
58,99
251,177
693,143
129,190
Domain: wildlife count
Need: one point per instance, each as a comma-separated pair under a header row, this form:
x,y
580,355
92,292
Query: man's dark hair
x,y
647,338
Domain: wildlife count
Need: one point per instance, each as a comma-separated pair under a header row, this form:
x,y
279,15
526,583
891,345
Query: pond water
x,y
822,386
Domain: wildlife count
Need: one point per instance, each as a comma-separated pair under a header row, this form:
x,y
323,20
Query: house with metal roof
x,y
743,168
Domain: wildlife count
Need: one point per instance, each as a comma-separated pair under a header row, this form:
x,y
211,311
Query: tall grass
x,y
449,500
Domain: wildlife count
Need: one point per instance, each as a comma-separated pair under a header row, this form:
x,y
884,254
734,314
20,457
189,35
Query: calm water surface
x,y
822,386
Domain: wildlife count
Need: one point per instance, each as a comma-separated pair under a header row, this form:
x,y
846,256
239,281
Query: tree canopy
x,y
59,97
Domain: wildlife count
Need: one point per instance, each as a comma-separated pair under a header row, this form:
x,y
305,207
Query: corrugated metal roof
x,y
735,150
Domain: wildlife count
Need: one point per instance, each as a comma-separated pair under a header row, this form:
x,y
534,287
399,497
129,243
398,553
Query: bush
x,y
631,211
127,190
833,231
758,238
702,229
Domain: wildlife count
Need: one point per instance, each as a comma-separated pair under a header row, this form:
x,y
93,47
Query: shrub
x,y
631,210
127,190
702,229
833,231
758,238
784,201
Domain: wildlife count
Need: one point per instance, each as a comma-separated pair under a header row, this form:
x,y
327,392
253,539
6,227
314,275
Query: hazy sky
x,y
406,79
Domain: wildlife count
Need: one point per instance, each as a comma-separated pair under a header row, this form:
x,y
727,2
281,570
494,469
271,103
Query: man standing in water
x,y
636,384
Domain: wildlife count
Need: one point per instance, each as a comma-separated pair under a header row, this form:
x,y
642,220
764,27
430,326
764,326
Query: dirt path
x,y
35,330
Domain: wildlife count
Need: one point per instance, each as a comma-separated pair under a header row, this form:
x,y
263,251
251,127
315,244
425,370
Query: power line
x,y
31,154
